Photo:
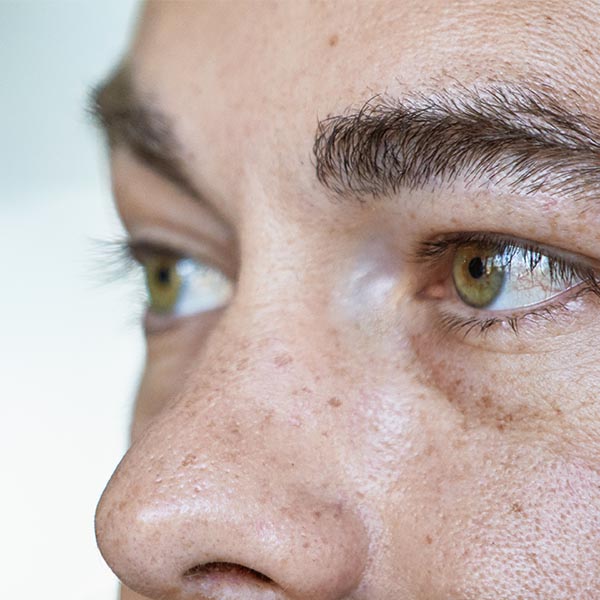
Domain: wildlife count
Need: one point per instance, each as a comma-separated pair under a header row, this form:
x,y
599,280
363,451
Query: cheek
x,y
532,535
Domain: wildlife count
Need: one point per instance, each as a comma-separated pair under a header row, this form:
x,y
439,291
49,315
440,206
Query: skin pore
x,y
341,423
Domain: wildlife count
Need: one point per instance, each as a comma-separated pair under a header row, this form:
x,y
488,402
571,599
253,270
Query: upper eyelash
x,y
113,259
561,268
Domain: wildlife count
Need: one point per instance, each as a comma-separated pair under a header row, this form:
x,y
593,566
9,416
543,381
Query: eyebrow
x,y
509,134
130,118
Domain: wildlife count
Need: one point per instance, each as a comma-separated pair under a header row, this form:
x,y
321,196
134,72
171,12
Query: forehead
x,y
244,83
368,44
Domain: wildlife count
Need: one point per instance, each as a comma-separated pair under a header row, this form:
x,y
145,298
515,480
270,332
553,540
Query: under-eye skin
x,y
180,286
486,279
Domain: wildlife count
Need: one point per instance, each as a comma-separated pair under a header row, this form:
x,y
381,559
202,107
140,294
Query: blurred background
x,y
71,347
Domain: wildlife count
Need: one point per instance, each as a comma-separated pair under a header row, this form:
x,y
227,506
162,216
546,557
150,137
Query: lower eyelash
x,y
465,326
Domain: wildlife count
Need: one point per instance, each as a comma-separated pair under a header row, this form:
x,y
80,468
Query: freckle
x,y
516,507
486,401
317,514
307,390
428,540
281,360
306,545
188,460
333,40
335,402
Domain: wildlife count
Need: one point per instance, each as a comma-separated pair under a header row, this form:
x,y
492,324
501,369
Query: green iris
x,y
163,282
478,272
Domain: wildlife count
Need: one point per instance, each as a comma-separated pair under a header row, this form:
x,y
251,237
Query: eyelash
x,y
434,253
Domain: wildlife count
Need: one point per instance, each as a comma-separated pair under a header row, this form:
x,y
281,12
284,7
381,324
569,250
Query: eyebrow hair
x,y
501,134
507,134
127,117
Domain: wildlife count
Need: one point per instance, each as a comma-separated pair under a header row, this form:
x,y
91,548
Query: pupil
x,y
476,268
164,275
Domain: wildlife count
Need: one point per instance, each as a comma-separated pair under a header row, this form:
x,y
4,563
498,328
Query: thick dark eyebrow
x,y
509,134
504,134
130,118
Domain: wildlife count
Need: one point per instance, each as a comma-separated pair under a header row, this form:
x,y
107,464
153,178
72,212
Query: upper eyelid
x,y
442,244
140,249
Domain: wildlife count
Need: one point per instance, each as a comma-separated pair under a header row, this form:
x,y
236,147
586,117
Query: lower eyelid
x,y
470,322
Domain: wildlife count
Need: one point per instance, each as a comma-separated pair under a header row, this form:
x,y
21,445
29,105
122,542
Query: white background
x,y
70,346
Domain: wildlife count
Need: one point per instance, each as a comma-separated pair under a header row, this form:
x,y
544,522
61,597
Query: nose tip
x,y
179,540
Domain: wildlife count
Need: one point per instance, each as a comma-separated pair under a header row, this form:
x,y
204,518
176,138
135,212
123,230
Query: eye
x,y
487,278
508,277
179,286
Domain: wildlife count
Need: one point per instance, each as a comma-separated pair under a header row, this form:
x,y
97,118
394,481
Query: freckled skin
x,y
320,433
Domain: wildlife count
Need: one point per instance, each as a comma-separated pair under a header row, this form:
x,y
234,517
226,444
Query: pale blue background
x,y
70,347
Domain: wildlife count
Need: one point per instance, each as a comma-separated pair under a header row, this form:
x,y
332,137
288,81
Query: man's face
x,y
372,358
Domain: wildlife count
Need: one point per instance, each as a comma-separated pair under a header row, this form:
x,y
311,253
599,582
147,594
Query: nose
x,y
233,491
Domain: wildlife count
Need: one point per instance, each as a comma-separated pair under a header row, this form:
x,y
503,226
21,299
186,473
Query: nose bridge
x,y
232,473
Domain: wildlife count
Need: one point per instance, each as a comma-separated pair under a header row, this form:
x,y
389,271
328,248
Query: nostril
x,y
225,573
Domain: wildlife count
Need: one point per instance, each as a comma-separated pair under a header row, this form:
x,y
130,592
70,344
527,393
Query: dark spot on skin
x,y
306,545
503,421
281,360
428,540
317,514
335,402
486,402
188,460
516,507
333,40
